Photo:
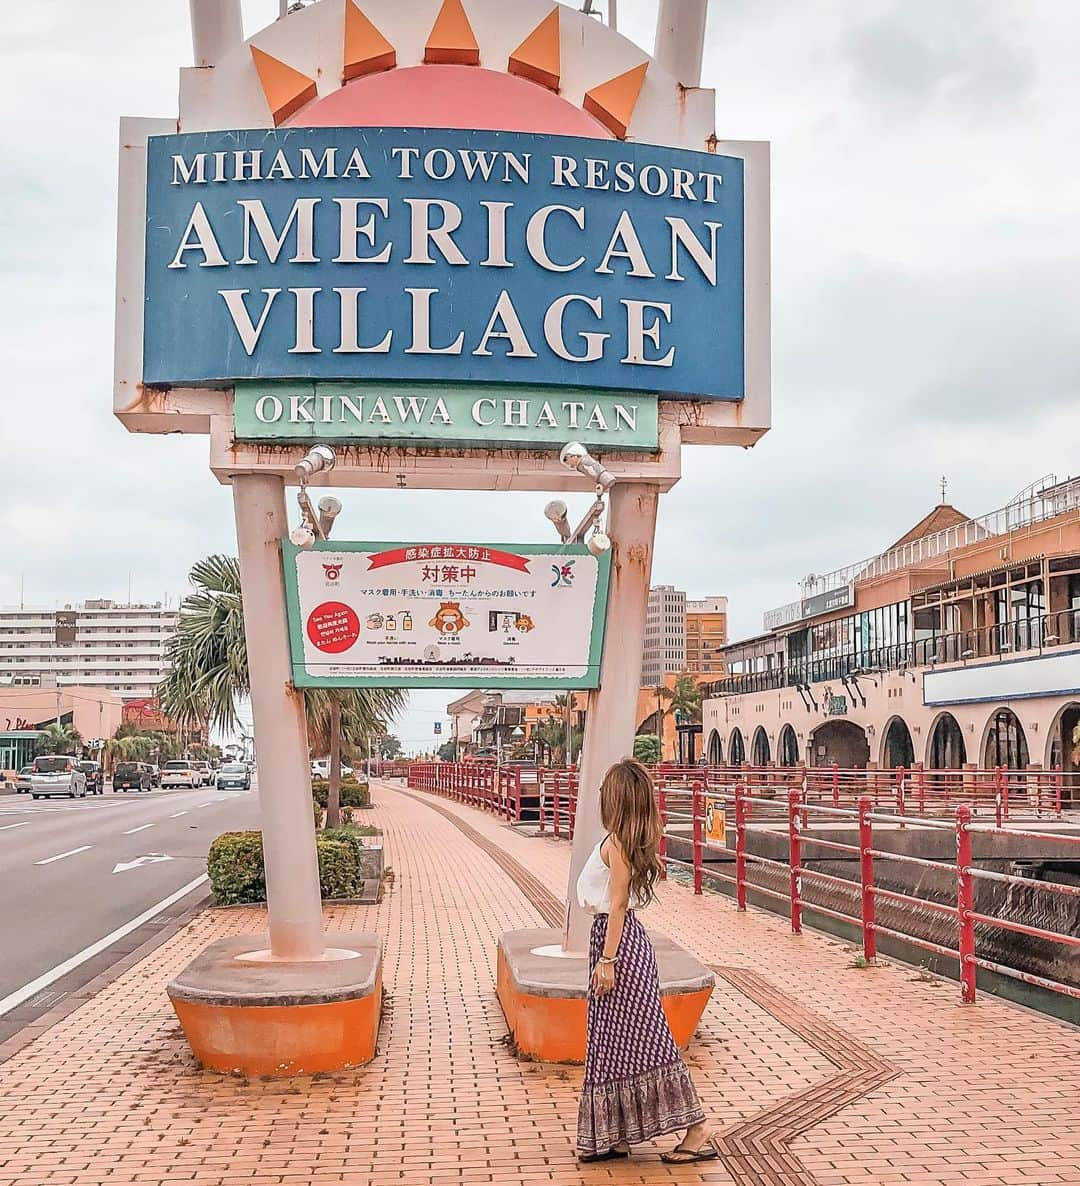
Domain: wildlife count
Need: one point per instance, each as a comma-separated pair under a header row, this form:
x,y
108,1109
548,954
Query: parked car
x,y
234,776
22,781
57,774
206,775
95,779
132,776
181,773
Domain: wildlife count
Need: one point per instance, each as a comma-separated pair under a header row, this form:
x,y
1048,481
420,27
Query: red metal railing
x,y
1007,795
913,791
682,798
685,817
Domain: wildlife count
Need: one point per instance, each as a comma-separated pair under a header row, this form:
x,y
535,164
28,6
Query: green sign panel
x,y
434,414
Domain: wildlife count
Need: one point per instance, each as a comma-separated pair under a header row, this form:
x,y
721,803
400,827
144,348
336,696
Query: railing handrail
x,y
1002,641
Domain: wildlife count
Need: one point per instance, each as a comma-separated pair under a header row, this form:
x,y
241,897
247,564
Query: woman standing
x,y
636,1084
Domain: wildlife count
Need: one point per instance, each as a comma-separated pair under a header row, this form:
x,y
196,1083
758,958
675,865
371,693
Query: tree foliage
x,y
58,739
647,748
209,674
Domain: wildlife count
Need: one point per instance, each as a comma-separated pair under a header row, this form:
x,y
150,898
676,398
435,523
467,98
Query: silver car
x,y
57,774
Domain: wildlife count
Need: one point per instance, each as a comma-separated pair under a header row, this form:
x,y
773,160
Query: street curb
x,y
86,992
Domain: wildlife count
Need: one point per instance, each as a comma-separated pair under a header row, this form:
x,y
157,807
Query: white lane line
x,y
178,815
208,803
140,828
46,978
5,827
60,855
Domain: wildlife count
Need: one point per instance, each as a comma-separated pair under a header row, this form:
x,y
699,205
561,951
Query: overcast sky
x,y
925,317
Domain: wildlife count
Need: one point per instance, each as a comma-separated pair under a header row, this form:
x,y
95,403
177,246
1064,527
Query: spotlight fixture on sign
x,y
314,526
576,457
329,509
556,512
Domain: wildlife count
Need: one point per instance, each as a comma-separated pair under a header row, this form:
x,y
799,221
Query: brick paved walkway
x,y
818,1072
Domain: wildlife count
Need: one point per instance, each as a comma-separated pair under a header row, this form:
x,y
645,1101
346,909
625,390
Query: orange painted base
x,y
552,1028
283,1039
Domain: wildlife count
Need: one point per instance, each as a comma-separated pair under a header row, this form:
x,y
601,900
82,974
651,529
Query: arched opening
x,y
1065,752
897,748
1006,744
651,724
736,748
840,743
715,750
761,753
947,748
789,747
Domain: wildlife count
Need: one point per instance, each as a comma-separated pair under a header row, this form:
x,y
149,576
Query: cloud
x,y
940,60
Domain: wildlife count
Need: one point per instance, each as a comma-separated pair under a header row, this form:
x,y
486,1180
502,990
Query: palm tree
x,y
58,739
684,700
209,675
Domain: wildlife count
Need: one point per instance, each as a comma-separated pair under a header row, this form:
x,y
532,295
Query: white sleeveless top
x,y
594,885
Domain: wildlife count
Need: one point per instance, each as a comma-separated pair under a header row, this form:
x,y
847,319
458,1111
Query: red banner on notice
x,y
458,553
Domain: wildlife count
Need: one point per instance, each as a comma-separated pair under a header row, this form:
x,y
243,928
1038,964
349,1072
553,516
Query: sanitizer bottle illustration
x,y
391,622
406,621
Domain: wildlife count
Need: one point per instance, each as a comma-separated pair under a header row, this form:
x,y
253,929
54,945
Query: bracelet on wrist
x,y
611,960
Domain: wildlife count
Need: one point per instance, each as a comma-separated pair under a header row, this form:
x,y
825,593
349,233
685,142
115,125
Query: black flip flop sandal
x,y
610,1155
682,1156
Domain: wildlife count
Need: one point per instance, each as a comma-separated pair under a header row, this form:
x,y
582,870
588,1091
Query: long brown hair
x,y
628,811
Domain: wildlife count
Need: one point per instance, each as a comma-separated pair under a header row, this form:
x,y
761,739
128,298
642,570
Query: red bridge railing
x,y
784,802
686,815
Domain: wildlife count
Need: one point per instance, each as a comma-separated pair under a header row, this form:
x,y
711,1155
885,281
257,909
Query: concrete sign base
x,y
271,1017
543,997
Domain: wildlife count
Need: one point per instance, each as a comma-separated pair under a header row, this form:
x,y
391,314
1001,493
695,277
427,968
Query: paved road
x,y
61,892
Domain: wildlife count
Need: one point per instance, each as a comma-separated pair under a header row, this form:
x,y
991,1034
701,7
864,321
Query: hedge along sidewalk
x,y
238,875
353,793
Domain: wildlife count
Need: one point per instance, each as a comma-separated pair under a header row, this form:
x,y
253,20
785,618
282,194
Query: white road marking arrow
x,y
150,859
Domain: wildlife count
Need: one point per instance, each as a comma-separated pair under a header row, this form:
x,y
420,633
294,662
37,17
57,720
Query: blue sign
x,y
447,256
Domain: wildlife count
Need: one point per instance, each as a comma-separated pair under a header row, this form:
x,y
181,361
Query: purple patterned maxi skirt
x,y
636,1084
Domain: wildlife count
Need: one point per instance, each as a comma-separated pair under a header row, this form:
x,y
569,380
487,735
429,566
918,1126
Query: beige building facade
x,y
957,646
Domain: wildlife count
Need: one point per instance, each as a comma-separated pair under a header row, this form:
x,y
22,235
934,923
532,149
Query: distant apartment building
x,y
101,644
706,635
682,635
665,634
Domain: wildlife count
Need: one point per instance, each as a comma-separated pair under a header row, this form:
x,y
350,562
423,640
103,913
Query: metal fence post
x,y
965,905
661,805
740,848
795,860
866,879
901,794
696,809
835,785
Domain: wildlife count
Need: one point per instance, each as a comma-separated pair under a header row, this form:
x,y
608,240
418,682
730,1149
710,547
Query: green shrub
x,y
235,866
318,812
339,865
353,793
237,874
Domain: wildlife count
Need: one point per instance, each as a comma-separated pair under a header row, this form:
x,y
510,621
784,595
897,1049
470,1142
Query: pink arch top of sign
x,y
464,97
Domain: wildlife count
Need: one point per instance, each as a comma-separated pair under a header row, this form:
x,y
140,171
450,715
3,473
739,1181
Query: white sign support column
x,y
294,901
610,724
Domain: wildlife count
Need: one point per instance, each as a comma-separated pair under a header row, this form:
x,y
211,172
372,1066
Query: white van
x,y
57,774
